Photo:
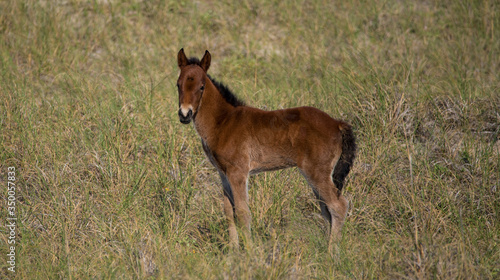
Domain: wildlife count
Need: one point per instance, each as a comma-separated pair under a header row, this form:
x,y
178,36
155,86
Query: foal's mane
x,y
223,90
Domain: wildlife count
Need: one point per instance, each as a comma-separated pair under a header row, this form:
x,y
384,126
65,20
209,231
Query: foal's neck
x,y
213,110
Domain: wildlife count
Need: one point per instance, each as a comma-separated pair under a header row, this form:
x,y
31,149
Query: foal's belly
x,y
270,161
270,167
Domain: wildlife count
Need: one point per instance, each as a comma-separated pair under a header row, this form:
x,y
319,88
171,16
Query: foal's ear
x,y
181,58
205,61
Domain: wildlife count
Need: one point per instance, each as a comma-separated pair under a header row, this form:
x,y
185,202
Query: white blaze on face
x,y
185,109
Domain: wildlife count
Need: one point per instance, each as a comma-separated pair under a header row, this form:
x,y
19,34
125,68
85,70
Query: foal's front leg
x,y
238,181
229,210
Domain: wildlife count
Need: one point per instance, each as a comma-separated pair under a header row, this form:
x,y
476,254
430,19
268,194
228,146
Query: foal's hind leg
x,y
324,209
333,205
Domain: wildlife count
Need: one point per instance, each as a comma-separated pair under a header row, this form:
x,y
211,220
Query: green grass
x,y
111,185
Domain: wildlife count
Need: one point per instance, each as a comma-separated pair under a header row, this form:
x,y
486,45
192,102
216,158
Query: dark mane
x,y
194,60
223,89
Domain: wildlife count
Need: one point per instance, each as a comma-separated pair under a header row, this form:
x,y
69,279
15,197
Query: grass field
x,y
110,185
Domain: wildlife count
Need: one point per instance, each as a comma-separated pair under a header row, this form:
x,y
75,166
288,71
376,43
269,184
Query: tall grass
x,y
111,185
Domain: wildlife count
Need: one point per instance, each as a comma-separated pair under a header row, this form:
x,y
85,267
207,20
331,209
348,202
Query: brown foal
x,y
240,140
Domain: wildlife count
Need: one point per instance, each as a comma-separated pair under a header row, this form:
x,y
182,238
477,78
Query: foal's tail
x,y
346,158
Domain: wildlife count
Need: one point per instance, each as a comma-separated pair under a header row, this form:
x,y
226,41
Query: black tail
x,y
346,158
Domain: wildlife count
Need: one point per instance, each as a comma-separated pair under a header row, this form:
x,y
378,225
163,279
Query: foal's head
x,y
191,84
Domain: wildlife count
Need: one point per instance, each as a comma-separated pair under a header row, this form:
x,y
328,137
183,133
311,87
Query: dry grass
x,y
111,185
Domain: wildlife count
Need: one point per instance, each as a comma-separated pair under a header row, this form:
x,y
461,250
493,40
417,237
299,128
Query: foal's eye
x,y
202,88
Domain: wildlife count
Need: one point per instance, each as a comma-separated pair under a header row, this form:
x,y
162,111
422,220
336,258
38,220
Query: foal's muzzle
x,y
185,119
